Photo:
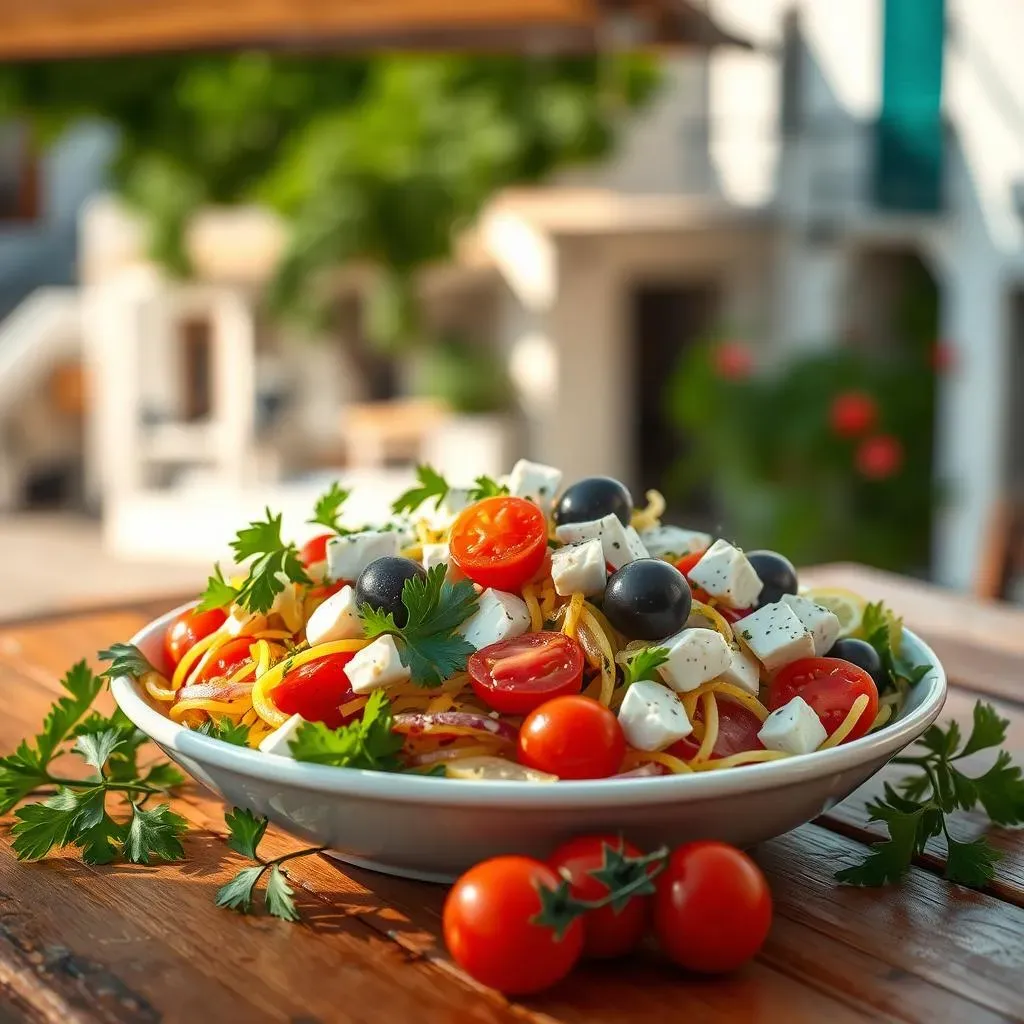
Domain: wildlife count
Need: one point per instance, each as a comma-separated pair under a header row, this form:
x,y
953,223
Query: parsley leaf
x,y
327,507
431,485
366,743
155,833
429,643
54,823
245,833
96,747
915,810
125,660
225,730
643,664
83,687
102,842
881,629
486,487
218,593
276,563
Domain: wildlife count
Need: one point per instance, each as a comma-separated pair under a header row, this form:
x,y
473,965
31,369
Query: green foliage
x,y
377,159
469,378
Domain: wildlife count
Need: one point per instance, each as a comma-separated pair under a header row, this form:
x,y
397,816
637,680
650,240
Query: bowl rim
x,y
422,789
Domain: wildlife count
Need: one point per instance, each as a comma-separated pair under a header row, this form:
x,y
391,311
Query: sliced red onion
x,y
645,770
453,723
214,691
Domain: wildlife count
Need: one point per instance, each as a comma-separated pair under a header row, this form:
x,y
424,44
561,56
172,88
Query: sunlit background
x,y
773,266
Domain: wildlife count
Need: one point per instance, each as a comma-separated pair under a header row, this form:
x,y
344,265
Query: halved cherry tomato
x,y
712,908
606,932
515,676
314,550
317,690
687,562
231,657
499,542
830,686
490,931
572,737
737,731
188,629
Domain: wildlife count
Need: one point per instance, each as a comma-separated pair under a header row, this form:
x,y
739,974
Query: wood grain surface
x,y
140,944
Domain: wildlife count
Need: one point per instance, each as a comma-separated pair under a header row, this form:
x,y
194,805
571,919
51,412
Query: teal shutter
x,y
909,139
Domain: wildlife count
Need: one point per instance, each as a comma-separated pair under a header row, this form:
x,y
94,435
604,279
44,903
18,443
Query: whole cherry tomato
x,y
317,690
188,629
572,737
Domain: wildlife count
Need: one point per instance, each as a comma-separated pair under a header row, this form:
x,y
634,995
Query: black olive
x,y
647,599
594,498
777,574
380,585
863,655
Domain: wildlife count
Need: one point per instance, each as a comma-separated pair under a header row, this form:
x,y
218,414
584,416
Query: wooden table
x,y
138,944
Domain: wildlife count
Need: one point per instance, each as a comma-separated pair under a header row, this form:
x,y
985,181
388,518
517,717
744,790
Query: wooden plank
x,y
60,28
980,643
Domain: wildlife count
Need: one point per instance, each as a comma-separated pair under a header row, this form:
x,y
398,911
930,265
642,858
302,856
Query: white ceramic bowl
x,y
433,829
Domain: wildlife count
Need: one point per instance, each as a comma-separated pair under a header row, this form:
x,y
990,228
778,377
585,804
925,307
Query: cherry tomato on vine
x,y
830,686
517,675
572,737
490,932
712,908
188,629
499,542
317,690
605,933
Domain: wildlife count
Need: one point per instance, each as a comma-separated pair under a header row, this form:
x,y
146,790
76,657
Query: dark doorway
x,y
198,367
667,318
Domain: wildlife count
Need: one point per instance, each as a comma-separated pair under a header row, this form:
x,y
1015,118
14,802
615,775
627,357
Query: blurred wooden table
x,y
137,945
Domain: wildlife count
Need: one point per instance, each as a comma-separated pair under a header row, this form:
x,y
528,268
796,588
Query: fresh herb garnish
x,y
915,809
276,563
218,593
431,485
365,743
235,733
246,832
77,813
882,629
429,643
328,507
643,663
125,660
486,487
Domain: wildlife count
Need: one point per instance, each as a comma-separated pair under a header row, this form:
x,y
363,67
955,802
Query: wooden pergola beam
x,y
54,29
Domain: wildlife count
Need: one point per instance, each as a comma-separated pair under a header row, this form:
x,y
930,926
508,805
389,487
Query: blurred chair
x,y
377,433
1002,557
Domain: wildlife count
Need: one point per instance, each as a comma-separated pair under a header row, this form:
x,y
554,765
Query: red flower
x,y
853,413
733,361
943,356
879,457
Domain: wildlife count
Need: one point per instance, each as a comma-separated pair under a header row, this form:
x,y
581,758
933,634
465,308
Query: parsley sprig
x,y
75,813
367,742
486,487
125,660
643,663
327,509
218,593
882,629
275,564
915,809
429,643
225,730
431,485
245,833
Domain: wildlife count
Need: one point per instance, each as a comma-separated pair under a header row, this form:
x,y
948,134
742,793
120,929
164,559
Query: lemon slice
x,y
485,767
847,606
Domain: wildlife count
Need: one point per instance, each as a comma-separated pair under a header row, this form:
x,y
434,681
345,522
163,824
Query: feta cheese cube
x,y
743,670
652,716
776,636
278,742
621,544
793,728
672,542
724,572
499,616
820,622
535,481
579,568
377,666
336,619
695,656
348,556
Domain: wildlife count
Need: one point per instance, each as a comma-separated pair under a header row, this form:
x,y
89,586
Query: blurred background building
x,y
791,293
